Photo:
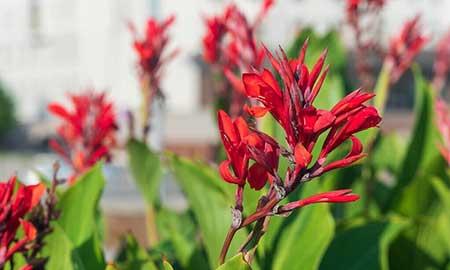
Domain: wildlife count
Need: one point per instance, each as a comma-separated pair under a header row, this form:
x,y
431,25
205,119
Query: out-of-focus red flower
x,y
292,106
151,49
230,45
363,18
87,131
14,205
404,47
354,8
442,62
443,123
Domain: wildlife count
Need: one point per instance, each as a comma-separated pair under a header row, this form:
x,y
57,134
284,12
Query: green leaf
x,y
235,263
210,203
167,265
145,167
422,146
132,256
362,247
443,221
382,90
75,231
305,240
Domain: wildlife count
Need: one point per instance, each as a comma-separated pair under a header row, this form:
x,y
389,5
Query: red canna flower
x,y
363,17
14,205
230,45
153,56
442,62
291,104
87,132
404,47
151,50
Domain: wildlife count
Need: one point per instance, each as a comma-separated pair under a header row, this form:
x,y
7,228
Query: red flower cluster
x,y
404,47
443,123
442,62
13,207
151,50
292,105
87,132
230,42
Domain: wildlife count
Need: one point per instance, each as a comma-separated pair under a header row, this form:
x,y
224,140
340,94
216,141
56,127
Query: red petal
x,y
224,170
257,176
302,156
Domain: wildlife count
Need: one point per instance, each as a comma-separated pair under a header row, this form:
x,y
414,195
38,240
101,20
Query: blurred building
x,y
48,47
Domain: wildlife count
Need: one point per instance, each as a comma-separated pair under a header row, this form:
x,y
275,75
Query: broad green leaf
x,y
145,167
382,90
61,251
167,265
77,223
305,240
235,263
422,145
390,143
363,247
210,204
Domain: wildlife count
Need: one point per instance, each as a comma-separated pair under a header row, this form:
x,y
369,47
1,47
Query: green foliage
x,y
362,247
210,200
145,167
235,263
132,256
74,243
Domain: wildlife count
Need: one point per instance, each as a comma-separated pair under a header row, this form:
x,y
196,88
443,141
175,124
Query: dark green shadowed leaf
x,y
363,247
145,167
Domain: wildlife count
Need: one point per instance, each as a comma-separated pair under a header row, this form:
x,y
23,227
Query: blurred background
x,y
51,47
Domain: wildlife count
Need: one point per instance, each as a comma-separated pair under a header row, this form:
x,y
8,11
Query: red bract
x,y
152,50
87,131
404,47
442,62
13,208
337,196
443,123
